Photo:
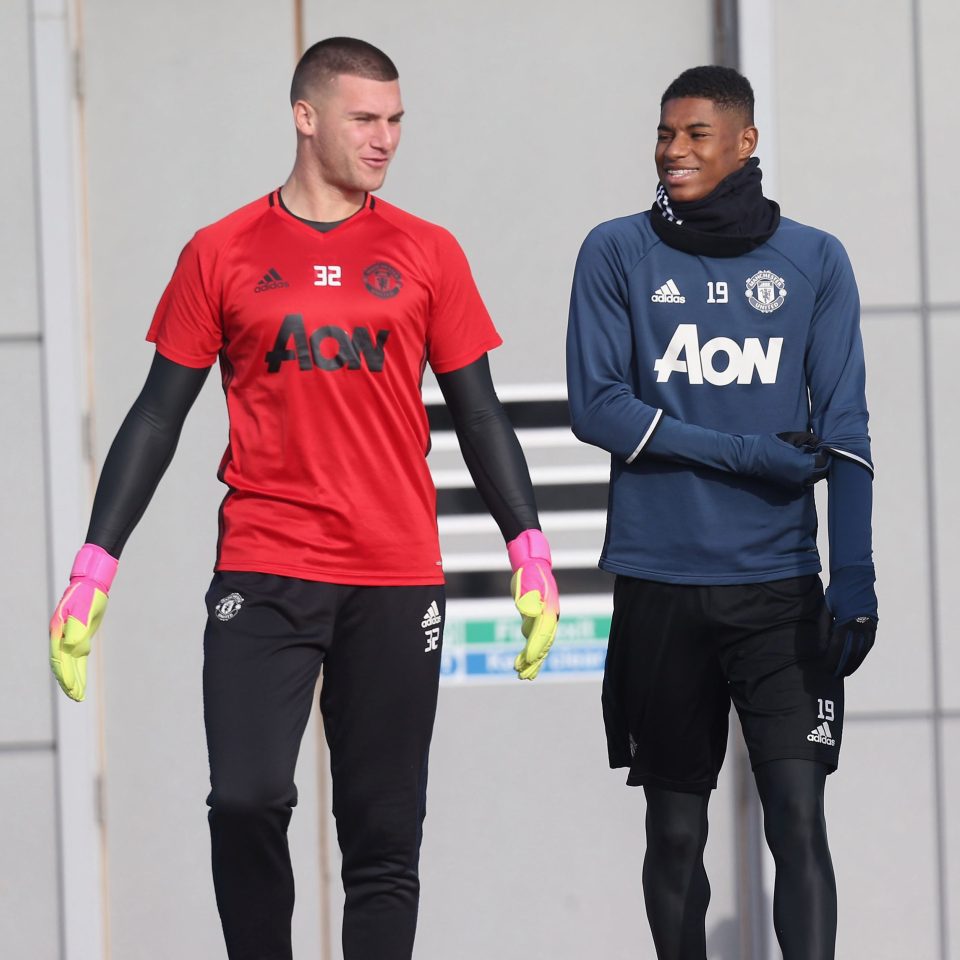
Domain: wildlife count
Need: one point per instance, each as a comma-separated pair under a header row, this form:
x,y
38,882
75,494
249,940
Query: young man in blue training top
x,y
714,350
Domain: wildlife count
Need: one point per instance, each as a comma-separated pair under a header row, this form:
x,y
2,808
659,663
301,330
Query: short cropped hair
x,y
335,56
727,88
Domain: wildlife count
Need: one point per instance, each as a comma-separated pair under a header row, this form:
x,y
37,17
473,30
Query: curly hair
x,y
727,88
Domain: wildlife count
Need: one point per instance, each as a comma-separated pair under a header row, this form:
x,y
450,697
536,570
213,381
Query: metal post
x,y
56,94
726,33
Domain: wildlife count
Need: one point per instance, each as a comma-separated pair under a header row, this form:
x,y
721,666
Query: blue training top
x,y
755,344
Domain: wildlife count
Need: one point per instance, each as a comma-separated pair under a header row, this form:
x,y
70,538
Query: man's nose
x,y
384,136
677,147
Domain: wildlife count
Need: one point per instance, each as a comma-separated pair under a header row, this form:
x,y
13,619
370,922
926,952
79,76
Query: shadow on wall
x,y
723,941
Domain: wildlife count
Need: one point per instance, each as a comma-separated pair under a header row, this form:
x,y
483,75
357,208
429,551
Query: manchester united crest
x,y
382,280
766,291
228,607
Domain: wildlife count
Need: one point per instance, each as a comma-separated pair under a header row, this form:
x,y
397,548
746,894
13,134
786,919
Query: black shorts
x,y
678,655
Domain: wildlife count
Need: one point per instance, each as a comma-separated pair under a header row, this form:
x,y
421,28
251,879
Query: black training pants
x,y
266,640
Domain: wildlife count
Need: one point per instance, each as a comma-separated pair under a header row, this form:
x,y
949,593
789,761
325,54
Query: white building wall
x,y
862,98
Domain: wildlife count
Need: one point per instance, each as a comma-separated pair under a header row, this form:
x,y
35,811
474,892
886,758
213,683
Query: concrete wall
x,y
861,109
31,908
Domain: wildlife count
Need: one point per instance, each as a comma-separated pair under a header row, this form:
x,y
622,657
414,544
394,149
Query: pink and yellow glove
x,y
535,594
77,617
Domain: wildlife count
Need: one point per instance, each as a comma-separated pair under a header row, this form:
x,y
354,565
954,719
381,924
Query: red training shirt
x,y
323,339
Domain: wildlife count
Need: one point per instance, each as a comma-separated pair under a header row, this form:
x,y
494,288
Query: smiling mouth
x,y
679,173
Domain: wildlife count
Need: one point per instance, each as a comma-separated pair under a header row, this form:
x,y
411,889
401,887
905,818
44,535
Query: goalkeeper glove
x,y
77,617
535,595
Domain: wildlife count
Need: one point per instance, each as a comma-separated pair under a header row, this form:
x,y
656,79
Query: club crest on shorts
x,y
228,607
766,291
382,280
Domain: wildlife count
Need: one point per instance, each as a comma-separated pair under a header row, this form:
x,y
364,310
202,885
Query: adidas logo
x,y
822,734
271,281
432,617
668,293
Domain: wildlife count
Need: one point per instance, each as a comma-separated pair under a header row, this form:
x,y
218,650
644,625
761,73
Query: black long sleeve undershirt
x,y
147,439
490,447
142,451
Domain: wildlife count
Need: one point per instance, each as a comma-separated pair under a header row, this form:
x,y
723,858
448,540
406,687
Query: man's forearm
x,y
490,448
851,591
141,452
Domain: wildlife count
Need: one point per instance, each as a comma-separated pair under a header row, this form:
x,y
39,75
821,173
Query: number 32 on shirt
x,y
327,276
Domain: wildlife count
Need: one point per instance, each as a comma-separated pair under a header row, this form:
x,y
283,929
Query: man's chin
x,y
684,192
373,181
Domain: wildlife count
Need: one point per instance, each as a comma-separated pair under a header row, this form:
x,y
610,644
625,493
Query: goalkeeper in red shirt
x,y
323,305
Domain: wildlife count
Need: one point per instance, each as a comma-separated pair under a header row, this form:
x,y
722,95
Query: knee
x,y
379,829
794,826
674,843
250,802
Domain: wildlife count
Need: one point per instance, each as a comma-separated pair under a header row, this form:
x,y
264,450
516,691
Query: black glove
x,y
848,645
809,442
789,459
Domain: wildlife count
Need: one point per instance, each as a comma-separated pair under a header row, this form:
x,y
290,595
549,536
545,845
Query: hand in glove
x,y
535,594
77,617
852,601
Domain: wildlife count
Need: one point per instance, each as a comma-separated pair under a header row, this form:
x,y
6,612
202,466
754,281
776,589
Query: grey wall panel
x,y
945,331
17,228
182,128
883,840
150,648
951,842
28,895
527,124
25,684
897,676
546,829
940,27
831,108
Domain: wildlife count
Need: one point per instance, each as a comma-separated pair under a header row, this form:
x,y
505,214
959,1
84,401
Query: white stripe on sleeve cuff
x,y
653,426
847,455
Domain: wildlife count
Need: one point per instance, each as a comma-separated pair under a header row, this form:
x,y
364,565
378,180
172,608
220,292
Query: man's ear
x,y
304,117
